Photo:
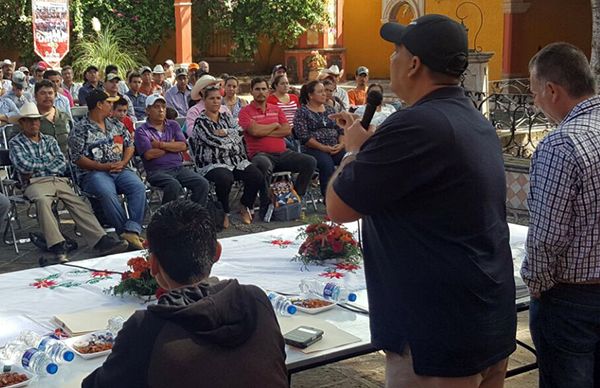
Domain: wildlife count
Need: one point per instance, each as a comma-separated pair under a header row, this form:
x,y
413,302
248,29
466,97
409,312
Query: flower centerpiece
x,y
325,240
137,281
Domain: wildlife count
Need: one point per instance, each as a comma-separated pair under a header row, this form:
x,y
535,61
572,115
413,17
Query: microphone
x,y
374,99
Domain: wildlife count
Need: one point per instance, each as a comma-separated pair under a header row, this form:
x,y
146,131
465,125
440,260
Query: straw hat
x,y
28,111
333,70
203,82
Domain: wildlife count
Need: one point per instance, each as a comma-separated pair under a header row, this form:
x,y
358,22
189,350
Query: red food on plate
x,y
11,378
311,303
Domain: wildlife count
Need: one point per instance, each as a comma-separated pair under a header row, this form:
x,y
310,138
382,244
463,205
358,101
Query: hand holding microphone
x,y
357,132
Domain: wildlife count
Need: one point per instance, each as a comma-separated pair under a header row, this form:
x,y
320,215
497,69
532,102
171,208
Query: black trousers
x,y
254,183
288,160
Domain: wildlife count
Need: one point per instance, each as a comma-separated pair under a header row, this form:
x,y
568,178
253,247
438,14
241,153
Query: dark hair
x,y
257,80
120,102
276,80
132,75
68,67
308,89
45,83
208,89
231,78
375,86
182,236
171,113
50,73
327,81
565,65
109,69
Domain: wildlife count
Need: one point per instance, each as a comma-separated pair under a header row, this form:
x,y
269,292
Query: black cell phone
x,y
303,336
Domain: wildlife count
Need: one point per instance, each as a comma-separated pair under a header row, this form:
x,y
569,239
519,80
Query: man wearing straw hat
x,y
41,165
334,74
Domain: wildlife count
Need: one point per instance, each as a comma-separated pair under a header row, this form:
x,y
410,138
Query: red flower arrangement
x,y
326,240
137,281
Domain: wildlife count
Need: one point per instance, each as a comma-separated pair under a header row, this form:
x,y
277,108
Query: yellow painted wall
x,y
362,20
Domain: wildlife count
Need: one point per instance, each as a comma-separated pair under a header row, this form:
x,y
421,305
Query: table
x,y
262,258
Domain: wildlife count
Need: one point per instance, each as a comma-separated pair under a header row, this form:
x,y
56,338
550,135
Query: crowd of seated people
x,y
150,115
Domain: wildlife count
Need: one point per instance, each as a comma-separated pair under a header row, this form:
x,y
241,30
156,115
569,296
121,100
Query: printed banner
x,y
50,19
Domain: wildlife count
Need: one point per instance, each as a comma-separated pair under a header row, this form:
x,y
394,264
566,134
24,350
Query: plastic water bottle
x,y
115,324
281,304
55,349
327,290
32,359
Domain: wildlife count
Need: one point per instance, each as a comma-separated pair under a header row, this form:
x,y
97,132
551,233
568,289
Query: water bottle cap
x,y
292,310
52,368
69,356
352,297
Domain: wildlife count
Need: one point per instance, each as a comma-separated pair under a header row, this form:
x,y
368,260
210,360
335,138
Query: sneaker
x,y
133,239
109,246
246,216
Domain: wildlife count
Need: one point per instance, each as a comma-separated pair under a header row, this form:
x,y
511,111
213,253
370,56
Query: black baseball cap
x,y
440,42
96,96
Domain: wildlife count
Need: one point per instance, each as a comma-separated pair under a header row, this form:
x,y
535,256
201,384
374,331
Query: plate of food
x,y
14,376
91,345
312,305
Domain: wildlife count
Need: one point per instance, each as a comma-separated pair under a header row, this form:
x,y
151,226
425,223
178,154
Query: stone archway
x,y
391,8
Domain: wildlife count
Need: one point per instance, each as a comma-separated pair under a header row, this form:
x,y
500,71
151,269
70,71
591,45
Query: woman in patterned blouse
x,y
318,134
221,157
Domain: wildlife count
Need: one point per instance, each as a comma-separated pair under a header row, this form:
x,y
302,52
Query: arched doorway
x,y
401,11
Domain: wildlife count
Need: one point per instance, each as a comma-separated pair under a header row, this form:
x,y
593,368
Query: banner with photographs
x,y
50,19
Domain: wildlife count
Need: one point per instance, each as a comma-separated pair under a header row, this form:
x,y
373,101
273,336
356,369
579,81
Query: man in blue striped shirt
x,y
41,165
562,267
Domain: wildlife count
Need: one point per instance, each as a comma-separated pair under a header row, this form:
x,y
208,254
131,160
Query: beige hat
x,y
333,70
158,69
28,111
203,82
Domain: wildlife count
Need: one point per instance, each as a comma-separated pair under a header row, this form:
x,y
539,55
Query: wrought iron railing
x,y
510,108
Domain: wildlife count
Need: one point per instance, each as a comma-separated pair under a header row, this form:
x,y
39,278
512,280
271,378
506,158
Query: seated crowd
x,y
148,119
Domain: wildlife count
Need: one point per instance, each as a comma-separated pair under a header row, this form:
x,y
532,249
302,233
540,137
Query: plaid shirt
x,y
87,139
36,159
563,241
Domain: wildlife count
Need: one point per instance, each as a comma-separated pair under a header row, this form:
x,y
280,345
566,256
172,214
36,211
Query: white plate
x,y
73,341
315,310
19,369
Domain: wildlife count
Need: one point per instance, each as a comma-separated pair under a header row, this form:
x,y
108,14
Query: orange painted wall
x,y
362,20
364,47
548,21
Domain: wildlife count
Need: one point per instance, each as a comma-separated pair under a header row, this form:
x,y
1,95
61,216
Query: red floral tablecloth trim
x,y
281,243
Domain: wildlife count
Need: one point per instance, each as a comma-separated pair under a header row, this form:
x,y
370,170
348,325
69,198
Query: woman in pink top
x,y
286,101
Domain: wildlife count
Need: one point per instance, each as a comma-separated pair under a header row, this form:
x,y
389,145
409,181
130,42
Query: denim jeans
x,y
172,181
565,328
106,187
326,164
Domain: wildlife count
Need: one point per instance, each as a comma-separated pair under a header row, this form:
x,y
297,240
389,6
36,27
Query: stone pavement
x,y
365,371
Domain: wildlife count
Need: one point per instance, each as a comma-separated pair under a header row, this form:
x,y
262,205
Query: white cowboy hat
x,y
28,111
333,70
203,82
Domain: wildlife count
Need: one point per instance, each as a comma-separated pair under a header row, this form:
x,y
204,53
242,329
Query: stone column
x,y
476,78
183,31
511,8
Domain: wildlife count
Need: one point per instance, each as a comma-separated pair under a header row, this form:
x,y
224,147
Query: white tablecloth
x,y
263,259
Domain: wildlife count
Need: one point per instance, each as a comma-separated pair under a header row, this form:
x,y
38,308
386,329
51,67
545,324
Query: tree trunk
x,y
595,57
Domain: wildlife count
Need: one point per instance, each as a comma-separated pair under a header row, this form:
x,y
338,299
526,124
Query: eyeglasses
x,y
212,87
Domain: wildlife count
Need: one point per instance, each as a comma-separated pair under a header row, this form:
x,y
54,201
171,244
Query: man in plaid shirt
x,y
562,267
41,165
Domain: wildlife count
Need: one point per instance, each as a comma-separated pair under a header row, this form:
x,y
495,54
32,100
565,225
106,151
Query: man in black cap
x,y
436,243
91,82
101,148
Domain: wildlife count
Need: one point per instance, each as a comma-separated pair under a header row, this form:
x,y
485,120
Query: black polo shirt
x,y
431,187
